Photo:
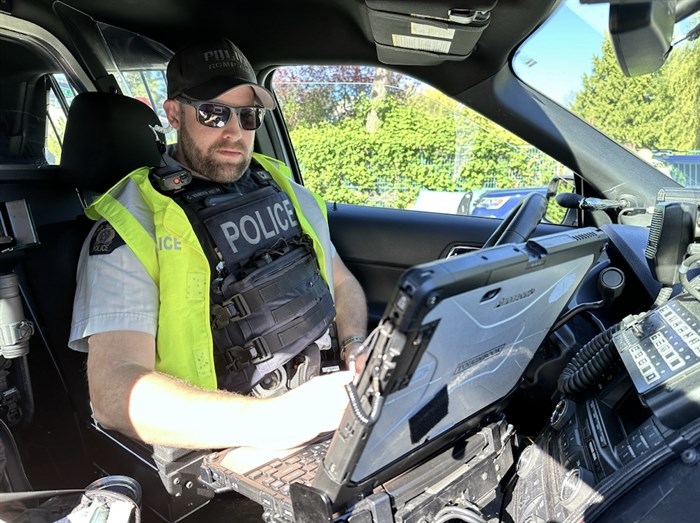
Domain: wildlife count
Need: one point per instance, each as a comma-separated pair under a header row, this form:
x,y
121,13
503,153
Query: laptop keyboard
x,y
299,467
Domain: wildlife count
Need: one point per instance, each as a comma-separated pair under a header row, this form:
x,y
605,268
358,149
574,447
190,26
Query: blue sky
x,y
555,59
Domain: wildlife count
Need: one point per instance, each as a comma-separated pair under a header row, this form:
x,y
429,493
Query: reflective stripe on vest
x,y
161,236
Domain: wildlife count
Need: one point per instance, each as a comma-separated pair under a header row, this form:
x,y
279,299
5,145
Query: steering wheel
x,y
520,222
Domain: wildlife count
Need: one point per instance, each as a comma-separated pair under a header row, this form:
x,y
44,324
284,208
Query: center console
x,y
600,444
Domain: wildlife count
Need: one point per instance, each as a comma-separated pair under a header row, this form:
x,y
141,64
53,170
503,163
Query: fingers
x,y
360,362
328,400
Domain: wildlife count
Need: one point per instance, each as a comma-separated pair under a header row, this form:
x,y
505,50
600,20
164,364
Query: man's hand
x,y
313,408
356,355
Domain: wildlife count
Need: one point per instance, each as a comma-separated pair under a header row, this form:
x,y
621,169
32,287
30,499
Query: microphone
x,y
570,200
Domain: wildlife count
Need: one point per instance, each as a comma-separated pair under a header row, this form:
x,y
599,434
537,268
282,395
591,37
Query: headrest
x,y
107,136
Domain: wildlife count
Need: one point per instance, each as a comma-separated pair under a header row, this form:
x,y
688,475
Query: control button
x,y
541,509
266,500
532,488
574,457
651,433
534,519
625,453
598,470
559,513
603,441
563,441
586,431
638,443
592,451
574,438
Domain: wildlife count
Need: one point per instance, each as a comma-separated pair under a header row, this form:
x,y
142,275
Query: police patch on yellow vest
x,y
105,239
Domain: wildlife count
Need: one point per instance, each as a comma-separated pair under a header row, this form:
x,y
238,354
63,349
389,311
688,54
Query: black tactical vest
x,y
269,301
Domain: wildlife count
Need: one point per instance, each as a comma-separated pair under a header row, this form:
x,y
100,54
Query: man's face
x,y
222,154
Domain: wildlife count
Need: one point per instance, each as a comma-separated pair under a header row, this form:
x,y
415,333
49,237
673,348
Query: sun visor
x,y
427,32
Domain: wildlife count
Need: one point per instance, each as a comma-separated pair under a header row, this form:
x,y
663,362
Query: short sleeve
x,y
113,292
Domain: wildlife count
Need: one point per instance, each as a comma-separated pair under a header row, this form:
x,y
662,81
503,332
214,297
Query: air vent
x,y
584,236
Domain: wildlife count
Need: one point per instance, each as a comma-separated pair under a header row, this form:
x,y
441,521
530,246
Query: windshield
x,y
571,60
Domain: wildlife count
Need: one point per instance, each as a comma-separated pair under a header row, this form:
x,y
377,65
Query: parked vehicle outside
x,y
497,203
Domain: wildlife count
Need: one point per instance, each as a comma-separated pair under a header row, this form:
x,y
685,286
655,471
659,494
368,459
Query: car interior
x,y
590,428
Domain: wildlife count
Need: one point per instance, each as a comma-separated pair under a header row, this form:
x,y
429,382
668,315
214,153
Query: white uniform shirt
x,y
113,292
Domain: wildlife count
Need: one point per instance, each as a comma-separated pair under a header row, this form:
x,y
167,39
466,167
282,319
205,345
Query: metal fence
x,y
684,167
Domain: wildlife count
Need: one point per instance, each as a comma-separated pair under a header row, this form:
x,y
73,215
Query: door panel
x,y
378,244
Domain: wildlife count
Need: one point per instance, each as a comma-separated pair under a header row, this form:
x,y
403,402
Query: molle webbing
x,y
261,322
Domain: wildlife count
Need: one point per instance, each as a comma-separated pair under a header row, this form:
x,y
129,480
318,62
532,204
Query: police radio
x,y
170,178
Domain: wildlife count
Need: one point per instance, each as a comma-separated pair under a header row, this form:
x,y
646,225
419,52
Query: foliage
x,y
495,163
373,137
383,166
681,73
147,86
331,97
629,109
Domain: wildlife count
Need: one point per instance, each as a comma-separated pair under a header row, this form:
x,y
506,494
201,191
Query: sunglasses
x,y
217,115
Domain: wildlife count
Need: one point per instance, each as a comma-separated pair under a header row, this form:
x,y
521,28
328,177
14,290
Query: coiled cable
x,y
590,364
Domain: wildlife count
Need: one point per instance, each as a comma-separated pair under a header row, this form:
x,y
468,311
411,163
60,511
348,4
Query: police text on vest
x,y
255,227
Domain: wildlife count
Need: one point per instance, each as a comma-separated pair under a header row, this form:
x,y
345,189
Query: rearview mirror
x,y
641,34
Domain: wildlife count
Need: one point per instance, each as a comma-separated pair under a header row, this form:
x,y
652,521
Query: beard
x,y
203,162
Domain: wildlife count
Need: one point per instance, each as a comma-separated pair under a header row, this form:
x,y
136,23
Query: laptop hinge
x,y
375,508
310,504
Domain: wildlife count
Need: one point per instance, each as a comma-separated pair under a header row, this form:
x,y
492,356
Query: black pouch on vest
x,y
262,321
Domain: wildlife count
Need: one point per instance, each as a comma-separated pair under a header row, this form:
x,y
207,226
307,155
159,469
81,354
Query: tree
x,y
388,166
681,73
624,108
496,163
645,111
310,95
379,138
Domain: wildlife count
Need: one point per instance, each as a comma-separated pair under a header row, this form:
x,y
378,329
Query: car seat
x,y
107,136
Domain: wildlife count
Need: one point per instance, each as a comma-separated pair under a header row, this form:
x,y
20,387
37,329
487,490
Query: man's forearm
x,y
159,409
127,395
351,309
163,410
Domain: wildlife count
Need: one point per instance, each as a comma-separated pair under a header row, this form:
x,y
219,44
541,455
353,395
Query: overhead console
x,y
427,33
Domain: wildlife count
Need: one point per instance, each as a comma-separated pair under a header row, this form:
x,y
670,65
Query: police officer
x,y
230,282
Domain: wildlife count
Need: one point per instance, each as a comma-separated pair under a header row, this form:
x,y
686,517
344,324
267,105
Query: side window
x,y
147,86
59,96
139,65
370,136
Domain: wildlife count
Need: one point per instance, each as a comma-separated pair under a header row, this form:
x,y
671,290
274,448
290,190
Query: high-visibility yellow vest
x,y
159,233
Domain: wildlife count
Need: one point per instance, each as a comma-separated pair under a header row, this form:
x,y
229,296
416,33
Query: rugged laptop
x,y
452,345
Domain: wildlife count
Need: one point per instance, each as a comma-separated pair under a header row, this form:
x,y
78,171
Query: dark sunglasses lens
x,y
213,115
250,118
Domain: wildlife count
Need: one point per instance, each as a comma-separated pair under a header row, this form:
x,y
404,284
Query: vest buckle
x,y
233,309
238,358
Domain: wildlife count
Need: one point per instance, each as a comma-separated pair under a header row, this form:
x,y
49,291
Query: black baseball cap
x,y
208,68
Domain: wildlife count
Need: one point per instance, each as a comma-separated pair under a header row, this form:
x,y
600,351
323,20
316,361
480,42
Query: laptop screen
x,y
468,327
